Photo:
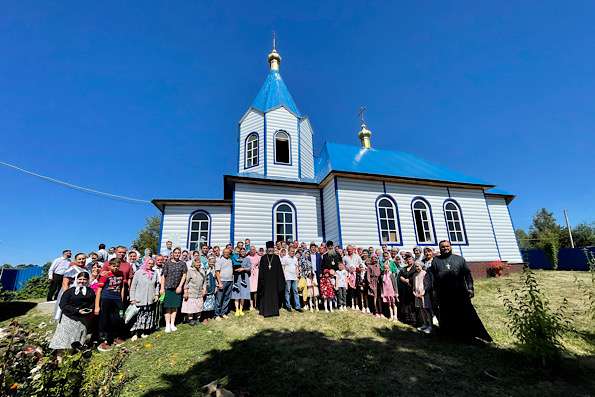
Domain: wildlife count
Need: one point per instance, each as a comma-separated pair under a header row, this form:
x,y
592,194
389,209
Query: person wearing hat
x,y
271,282
331,259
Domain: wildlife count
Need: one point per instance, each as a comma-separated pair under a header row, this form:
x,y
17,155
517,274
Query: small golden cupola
x,y
364,133
274,56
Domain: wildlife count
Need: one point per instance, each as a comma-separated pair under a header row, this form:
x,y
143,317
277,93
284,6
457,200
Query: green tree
x,y
583,235
545,234
523,239
148,237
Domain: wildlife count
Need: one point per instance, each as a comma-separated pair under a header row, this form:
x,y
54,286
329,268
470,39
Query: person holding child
x,y
242,292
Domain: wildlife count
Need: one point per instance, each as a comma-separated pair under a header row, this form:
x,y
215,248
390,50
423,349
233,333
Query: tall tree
x,y
523,239
583,235
148,237
545,234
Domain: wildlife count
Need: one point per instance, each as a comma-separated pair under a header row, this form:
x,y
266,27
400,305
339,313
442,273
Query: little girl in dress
x,y
390,293
313,293
327,290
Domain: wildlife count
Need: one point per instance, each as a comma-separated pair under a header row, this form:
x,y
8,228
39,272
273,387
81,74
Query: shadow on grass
x,y
9,310
395,362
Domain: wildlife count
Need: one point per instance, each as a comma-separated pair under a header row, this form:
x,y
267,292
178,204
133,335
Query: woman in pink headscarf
x,y
145,294
254,262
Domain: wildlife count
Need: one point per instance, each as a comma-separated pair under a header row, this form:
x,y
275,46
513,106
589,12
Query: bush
x,y
35,288
537,328
29,368
589,288
495,268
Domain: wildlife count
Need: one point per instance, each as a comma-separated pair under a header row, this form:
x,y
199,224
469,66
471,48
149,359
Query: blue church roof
x,y
273,94
355,159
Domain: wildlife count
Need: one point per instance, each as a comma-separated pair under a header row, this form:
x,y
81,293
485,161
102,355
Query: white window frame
x,y
201,229
427,233
284,222
287,138
382,215
251,150
454,218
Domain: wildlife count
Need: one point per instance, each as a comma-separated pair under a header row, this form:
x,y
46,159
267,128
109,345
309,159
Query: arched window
x,y
454,222
282,148
251,151
200,228
388,221
423,223
284,222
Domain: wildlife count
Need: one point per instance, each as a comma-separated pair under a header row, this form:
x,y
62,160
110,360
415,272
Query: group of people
x,y
109,295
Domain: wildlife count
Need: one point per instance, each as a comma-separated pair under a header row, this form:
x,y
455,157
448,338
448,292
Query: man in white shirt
x,y
102,253
352,260
291,272
56,273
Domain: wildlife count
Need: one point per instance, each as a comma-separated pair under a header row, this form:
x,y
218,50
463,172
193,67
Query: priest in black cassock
x,y
453,286
271,282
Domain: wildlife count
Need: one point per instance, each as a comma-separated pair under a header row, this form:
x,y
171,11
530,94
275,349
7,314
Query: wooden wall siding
x,y
281,119
307,155
253,212
507,242
330,212
434,195
480,235
253,122
176,220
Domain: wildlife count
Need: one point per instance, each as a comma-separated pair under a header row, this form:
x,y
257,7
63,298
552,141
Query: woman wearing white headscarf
x,y
76,305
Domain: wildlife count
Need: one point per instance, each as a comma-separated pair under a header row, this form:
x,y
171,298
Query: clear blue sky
x,y
143,100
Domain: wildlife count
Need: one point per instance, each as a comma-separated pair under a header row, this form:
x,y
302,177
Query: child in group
x,y
390,294
341,287
422,283
362,288
327,290
351,287
313,293
108,304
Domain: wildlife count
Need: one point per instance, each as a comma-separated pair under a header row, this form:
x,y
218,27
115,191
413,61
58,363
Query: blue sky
x,y
143,100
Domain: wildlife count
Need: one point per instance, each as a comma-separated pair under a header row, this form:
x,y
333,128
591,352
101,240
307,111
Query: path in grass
x,y
351,353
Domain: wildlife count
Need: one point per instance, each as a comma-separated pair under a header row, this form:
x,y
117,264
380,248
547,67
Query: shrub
x,y
495,268
589,288
537,328
34,288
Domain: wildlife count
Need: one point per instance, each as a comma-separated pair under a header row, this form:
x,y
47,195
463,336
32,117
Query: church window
x,y
252,150
199,233
284,221
454,222
282,148
423,223
388,221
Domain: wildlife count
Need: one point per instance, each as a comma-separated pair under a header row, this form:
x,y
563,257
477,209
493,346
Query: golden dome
x,y
274,59
364,136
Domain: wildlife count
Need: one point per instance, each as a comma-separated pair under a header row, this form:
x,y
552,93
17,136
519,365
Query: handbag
x,y
130,313
209,304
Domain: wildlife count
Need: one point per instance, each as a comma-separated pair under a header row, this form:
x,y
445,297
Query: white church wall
x,y
331,223
307,156
253,121
176,221
357,209
480,235
253,212
507,242
281,119
404,194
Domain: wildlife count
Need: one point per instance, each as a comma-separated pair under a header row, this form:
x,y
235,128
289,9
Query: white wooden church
x,y
348,194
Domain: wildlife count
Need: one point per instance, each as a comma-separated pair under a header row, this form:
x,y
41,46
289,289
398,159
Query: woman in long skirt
x,y
69,276
194,291
373,278
405,286
242,293
254,263
144,294
76,306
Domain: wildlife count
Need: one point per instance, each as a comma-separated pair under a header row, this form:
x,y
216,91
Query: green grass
x,y
354,354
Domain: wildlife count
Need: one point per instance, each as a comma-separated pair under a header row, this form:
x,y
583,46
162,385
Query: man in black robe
x,y
331,259
271,282
453,285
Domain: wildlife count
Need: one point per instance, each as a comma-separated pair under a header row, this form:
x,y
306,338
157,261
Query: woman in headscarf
x,y
144,294
76,306
254,263
195,289
405,286
373,279
79,265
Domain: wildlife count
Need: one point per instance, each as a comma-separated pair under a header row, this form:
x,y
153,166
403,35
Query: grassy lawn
x,y
354,354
